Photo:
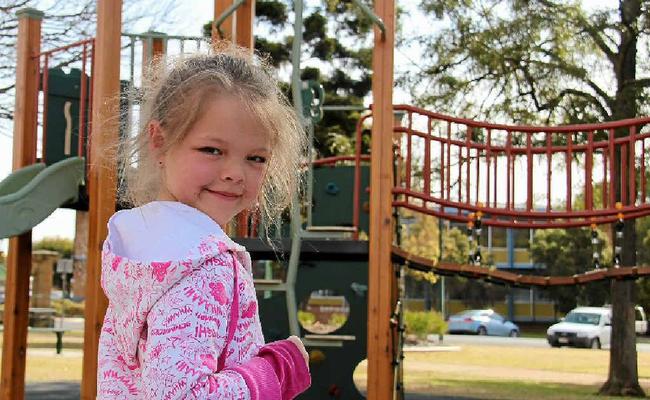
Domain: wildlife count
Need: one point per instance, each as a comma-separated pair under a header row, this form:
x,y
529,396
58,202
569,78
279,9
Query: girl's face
x,y
219,166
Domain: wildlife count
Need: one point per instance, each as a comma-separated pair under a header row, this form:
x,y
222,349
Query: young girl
x,y
218,138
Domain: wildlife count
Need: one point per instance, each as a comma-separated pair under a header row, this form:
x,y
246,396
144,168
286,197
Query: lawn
x,y
496,372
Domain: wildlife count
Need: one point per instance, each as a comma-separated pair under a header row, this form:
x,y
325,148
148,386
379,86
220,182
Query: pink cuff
x,y
260,378
289,365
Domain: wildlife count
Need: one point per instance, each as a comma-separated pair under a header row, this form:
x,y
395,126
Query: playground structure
x,y
429,163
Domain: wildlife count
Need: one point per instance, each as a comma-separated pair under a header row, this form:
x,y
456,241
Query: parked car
x,y
481,322
582,327
640,320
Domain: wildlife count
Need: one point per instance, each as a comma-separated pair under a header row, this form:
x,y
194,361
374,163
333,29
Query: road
x,y
456,340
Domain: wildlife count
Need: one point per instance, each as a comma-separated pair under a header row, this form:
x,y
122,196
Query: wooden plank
x,y
228,26
101,177
381,279
19,259
244,25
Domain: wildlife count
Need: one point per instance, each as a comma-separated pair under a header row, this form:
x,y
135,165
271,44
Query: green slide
x,y
31,194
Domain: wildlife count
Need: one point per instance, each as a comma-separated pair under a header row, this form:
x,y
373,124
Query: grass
x,y
44,365
504,390
499,372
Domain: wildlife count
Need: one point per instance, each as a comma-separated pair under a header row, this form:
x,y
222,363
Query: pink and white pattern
x,y
167,323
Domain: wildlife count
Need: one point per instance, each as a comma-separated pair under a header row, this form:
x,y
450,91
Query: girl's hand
x,y
296,340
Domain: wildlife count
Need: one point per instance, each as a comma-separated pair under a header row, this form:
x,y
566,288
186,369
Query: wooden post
x,y
19,259
381,277
101,177
244,27
228,26
154,44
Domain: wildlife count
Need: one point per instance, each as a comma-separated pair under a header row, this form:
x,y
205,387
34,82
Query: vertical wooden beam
x,y
19,260
153,45
381,278
228,26
101,177
244,27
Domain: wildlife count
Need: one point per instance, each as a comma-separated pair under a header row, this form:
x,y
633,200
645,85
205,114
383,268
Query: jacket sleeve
x,y
186,333
290,371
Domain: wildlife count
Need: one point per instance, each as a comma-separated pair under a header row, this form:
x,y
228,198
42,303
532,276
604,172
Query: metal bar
x,y
642,178
468,138
343,108
624,196
427,159
478,174
632,161
46,78
82,105
612,172
605,180
569,162
408,152
496,161
488,154
460,174
373,17
63,48
529,183
448,161
589,200
508,161
442,166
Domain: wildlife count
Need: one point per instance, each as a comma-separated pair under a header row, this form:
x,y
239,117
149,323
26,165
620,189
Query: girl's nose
x,y
232,171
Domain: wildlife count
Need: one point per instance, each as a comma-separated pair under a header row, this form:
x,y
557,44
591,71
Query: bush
x,y
68,308
423,323
337,319
306,318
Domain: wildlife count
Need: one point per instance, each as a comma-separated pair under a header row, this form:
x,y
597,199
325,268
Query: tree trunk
x,y
623,377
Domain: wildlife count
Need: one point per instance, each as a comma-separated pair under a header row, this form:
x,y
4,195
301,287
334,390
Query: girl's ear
x,y
156,137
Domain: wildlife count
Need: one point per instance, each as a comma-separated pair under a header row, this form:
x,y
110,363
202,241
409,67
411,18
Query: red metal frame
x,y
44,60
469,148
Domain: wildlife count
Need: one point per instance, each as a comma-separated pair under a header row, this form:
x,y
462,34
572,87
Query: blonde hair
x,y
176,94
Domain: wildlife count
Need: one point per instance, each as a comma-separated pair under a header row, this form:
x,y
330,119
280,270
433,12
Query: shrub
x,y
337,319
423,323
306,318
68,308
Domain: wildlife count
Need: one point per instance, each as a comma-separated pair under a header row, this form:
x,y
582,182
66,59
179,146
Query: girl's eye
x,y
257,159
211,150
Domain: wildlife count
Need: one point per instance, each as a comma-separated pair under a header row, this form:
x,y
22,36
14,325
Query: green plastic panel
x,y
332,373
62,119
37,198
333,193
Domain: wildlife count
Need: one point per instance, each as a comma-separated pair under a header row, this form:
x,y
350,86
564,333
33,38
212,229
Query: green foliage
x,y
337,320
549,62
63,246
423,323
68,308
306,318
565,252
335,53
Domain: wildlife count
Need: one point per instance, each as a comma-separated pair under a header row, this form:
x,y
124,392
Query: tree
x,y
565,252
336,52
553,62
63,246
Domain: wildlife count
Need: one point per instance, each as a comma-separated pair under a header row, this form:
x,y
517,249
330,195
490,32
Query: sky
x,y
188,18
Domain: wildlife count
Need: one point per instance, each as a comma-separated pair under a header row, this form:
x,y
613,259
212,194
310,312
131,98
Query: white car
x,y
582,327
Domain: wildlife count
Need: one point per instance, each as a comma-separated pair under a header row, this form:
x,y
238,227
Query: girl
x,y
218,137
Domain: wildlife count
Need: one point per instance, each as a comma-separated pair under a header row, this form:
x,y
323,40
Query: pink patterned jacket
x,y
168,271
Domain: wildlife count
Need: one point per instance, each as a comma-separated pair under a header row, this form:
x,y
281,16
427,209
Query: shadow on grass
x,y
500,390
